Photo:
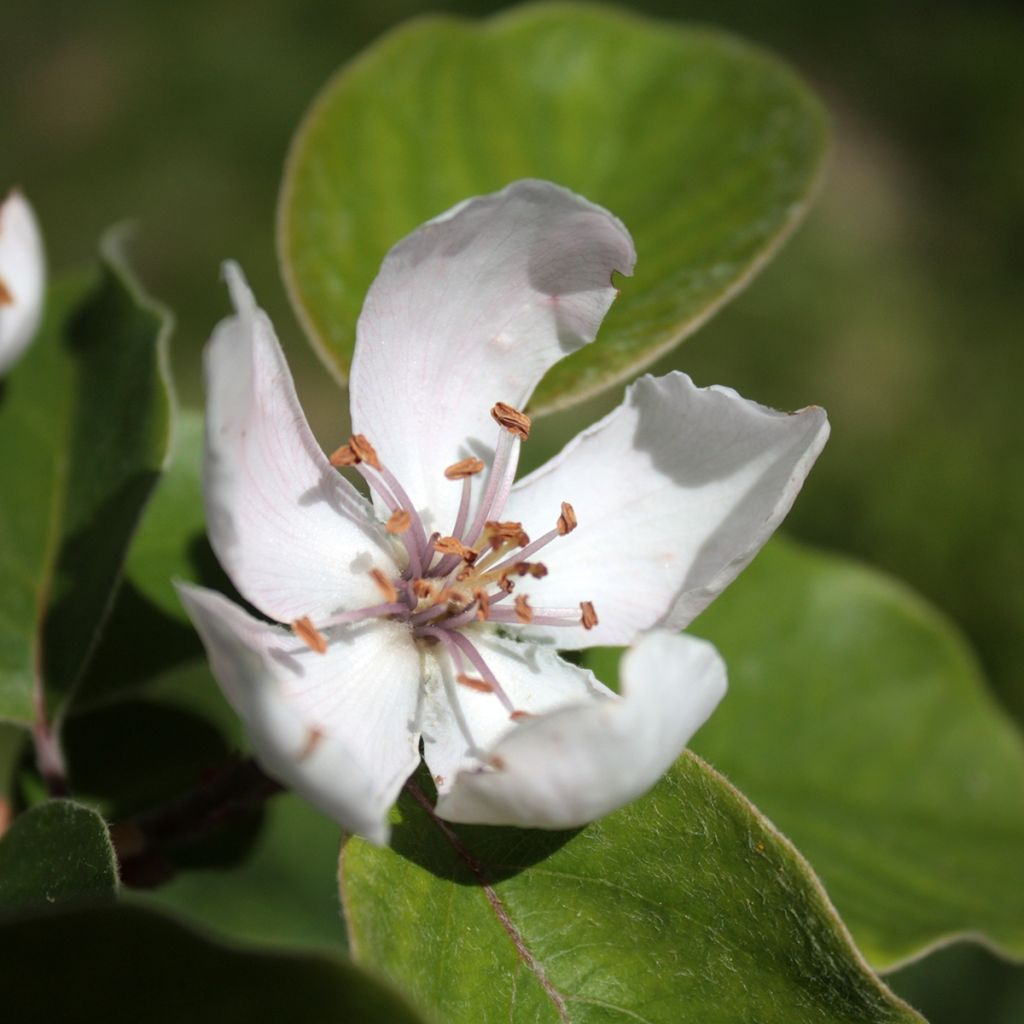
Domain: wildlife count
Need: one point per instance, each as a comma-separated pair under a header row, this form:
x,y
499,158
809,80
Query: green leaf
x,y
685,906
55,853
84,430
706,147
121,965
149,634
858,721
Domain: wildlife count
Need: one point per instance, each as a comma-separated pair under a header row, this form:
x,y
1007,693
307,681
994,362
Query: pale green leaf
x,y
706,147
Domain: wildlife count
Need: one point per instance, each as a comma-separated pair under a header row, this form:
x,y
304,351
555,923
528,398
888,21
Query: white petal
x,y
22,277
535,679
469,310
573,765
294,536
675,492
338,728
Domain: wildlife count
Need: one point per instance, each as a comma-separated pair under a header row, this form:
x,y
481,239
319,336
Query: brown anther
x,y
365,452
387,588
514,421
6,298
308,633
343,456
454,546
423,589
472,683
498,534
538,570
588,618
524,613
313,741
399,521
518,716
497,762
505,583
483,604
467,467
567,520
438,780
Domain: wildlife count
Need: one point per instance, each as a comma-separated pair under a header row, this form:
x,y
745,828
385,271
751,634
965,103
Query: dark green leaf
x,y
121,965
684,906
859,722
706,147
84,428
55,853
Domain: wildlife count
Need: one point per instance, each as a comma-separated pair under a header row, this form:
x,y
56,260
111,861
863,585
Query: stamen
x,y
375,611
567,520
514,421
483,604
364,451
496,534
454,546
463,469
524,613
538,616
588,618
538,570
387,588
308,633
343,456
423,589
518,716
399,521
464,644
6,298
480,685
313,740
499,483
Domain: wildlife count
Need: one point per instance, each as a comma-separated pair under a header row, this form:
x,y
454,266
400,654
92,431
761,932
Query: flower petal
x,y
22,277
675,492
461,724
294,536
335,727
575,764
469,310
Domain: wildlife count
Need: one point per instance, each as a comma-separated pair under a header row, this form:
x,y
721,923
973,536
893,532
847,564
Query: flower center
x,y
468,576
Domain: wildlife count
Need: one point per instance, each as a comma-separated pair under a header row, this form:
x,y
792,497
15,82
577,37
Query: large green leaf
x,y
686,906
54,853
122,965
84,429
706,147
859,722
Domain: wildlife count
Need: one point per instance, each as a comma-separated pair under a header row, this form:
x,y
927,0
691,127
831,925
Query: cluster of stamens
x,y
468,576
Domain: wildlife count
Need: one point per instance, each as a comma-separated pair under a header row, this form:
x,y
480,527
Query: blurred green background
x,y
897,306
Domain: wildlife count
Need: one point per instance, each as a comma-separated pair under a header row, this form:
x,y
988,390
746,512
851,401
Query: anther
x,y
387,588
483,604
524,613
514,421
518,716
467,467
588,618
472,683
496,534
538,570
399,521
308,633
343,456
454,546
567,520
365,452
6,298
313,740
505,583
423,589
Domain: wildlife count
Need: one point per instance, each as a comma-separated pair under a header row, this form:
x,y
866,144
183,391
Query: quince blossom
x,y
432,616
22,278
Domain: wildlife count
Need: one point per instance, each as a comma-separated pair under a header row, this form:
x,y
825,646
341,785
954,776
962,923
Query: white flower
x,y
22,278
433,615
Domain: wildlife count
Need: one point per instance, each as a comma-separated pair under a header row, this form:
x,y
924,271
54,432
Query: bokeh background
x,y
898,306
